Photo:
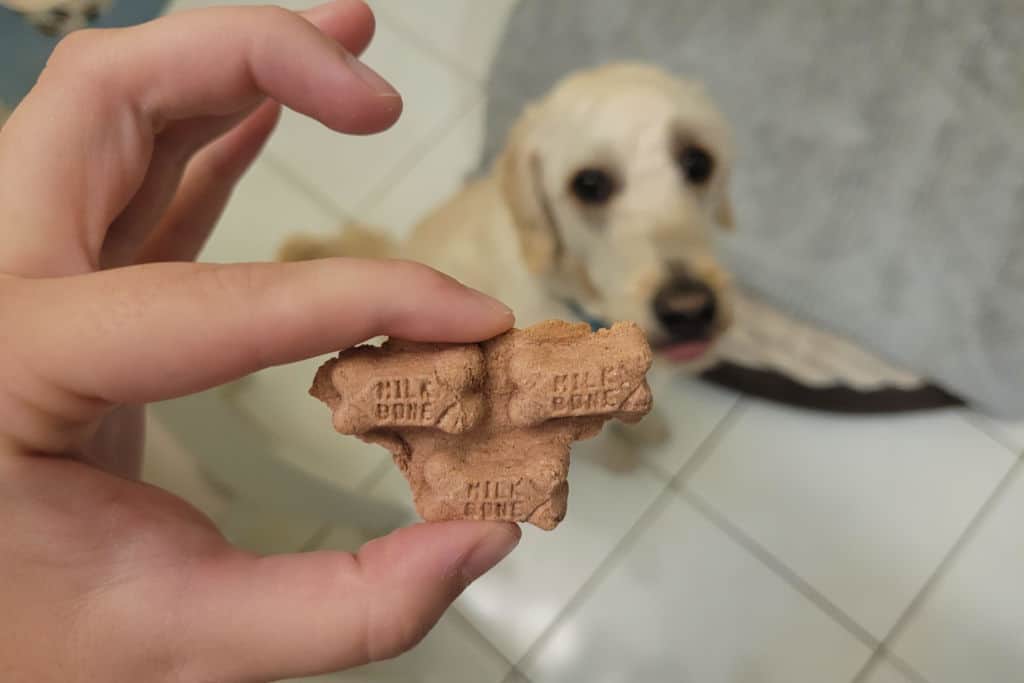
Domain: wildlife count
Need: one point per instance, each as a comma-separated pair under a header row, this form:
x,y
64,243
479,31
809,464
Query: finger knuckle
x,y
273,17
419,284
425,277
75,49
273,13
393,631
236,283
393,623
400,636
79,59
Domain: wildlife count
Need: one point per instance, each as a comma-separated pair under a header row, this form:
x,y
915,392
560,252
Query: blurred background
x,y
879,195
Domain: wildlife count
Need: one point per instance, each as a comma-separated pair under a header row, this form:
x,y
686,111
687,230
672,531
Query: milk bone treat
x,y
482,431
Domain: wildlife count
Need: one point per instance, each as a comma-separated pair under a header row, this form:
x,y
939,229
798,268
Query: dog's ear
x,y
721,210
724,215
516,171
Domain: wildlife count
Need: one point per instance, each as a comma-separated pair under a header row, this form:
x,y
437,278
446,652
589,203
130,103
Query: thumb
x,y
296,615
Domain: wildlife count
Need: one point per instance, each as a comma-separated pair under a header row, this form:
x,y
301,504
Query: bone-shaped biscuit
x,y
483,431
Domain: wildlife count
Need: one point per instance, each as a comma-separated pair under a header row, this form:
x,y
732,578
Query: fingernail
x,y
369,76
491,304
490,551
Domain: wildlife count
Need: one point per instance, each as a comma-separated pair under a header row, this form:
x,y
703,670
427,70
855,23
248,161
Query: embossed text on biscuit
x,y
482,431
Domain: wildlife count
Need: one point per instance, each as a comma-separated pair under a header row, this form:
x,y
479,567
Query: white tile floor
x,y
762,544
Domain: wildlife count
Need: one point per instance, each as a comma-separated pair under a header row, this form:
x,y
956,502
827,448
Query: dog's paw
x,y
303,248
653,430
616,458
70,15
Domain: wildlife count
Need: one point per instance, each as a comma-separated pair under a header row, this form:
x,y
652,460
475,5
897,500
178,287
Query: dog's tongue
x,y
685,352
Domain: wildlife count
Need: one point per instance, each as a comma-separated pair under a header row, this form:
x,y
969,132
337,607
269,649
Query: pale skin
x,y
112,173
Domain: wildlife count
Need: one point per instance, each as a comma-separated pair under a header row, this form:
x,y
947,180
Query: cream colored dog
x,y
603,204
58,17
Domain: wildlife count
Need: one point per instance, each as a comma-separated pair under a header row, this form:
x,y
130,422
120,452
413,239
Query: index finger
x,y
158,331
75,151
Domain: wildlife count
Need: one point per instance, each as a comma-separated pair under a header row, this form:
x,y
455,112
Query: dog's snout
x,y
686,308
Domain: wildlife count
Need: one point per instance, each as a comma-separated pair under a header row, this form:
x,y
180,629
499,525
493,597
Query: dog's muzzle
x,y
687,311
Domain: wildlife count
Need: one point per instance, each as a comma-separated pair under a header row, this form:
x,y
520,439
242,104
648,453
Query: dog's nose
x,y
685,308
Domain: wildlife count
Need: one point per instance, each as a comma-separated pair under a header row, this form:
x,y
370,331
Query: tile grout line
x,y
452,613
316,538
414,155
603,569
989,430
368,482
483,81
322,201
465,623
434,138
515,675
399,25
880,650
706,448
374,477
882,654
943,568
327,204
666,474
776,566
608,563
679,484
900,664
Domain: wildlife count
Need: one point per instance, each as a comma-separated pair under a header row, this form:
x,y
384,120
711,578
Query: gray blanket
x,y
880,187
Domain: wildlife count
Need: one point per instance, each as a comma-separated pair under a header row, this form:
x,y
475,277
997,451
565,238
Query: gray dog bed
x,y
880,187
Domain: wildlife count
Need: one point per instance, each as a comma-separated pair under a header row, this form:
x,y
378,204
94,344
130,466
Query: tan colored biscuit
x,y
482,431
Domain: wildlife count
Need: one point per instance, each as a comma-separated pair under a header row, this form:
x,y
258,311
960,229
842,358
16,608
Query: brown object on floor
x,y
482,431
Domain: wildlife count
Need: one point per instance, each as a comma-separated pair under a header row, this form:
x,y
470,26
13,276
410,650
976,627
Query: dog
x,y
59,17
602,206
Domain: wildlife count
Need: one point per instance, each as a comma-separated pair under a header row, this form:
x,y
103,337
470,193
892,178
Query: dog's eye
x,y
696,164
593,186
92,13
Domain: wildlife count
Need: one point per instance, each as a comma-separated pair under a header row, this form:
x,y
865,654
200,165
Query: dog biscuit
x,y
483,431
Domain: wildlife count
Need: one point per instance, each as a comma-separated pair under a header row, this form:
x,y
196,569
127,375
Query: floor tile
x,y
277,504
1011,432
346,169
467,32
430,182
516,676
863,509
278,399
886,672
686,603
265,209
513,604
453,652
970,626
253,526
270,508
172,467
691,409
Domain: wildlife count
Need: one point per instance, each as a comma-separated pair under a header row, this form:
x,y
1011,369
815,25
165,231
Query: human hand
x,y
112,173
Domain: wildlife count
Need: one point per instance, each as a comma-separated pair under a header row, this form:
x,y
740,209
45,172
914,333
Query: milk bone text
x,y
500,499
590,389
404,399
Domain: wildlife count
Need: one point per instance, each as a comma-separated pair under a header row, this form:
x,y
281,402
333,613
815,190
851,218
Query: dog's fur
x,y
521,235
59,17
